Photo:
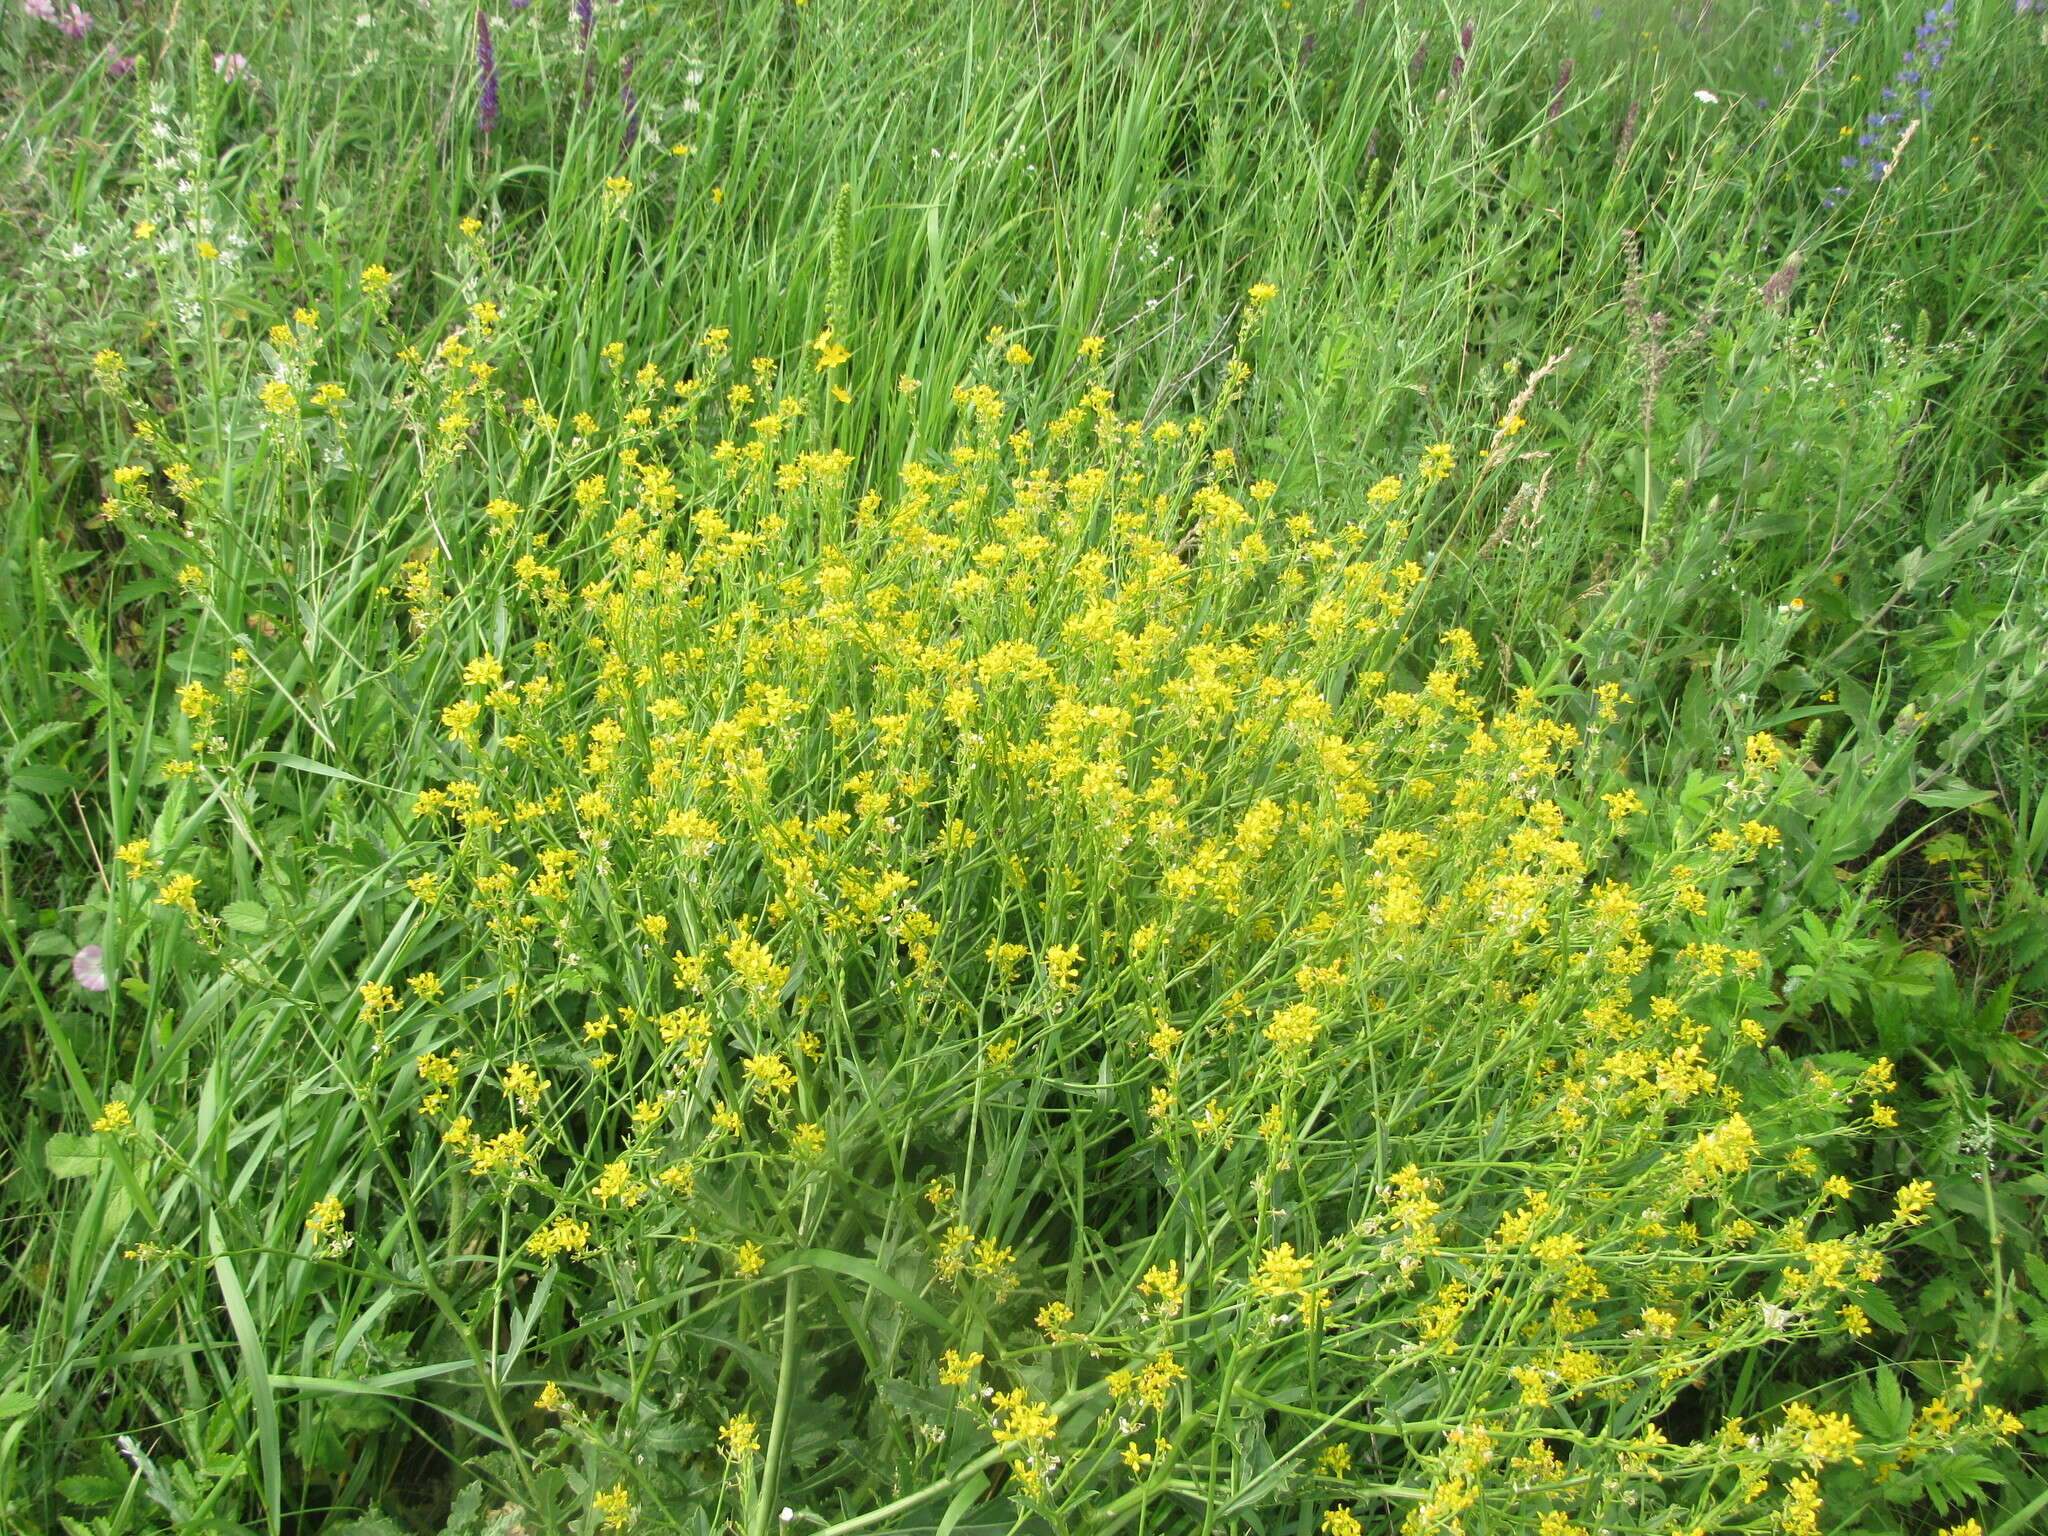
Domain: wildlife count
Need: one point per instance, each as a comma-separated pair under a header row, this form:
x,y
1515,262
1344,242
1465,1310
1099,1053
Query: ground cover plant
x,y
979,768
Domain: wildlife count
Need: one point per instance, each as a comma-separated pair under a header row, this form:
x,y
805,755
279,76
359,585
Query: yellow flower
x,y
1165,1287
956,1368
1913,1203
738,1438
1341,1522
1261,294
614,1508
1294,1029
563,1235
1281,1272
830,353
114,1117
1018,1421
769,1072
524,1086
749,1260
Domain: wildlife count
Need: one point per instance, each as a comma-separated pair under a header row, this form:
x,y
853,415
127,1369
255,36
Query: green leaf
x,y
90,1488
463,1511
41,781
1882,1310
1952,791
72,1156
269,1451
14,1404
1882,1406
246,916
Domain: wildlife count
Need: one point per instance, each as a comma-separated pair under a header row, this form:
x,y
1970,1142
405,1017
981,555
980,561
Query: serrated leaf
x,y
1882,1311
69,1155
1957,1478
41,781
91,1488
463,1511
1882,1407
246,916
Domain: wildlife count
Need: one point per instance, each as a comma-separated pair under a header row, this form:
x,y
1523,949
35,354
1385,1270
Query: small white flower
x,y
1708,97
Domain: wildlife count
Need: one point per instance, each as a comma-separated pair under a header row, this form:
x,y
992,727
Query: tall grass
x,y
1352,1004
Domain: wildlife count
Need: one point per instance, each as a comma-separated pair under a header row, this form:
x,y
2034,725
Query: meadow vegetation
x,y
974,767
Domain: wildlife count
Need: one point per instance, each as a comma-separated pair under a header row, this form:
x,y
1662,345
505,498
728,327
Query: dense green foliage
x,y
977,767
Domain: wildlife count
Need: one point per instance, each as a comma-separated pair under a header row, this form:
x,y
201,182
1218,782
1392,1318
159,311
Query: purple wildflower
x,y
88,968
74,22
486,74
1464,47
40,10
232,67
1628,130
119,66
586,18
1564,78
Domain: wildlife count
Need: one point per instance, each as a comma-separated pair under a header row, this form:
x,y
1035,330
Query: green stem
x,y
778,1426
946,1485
